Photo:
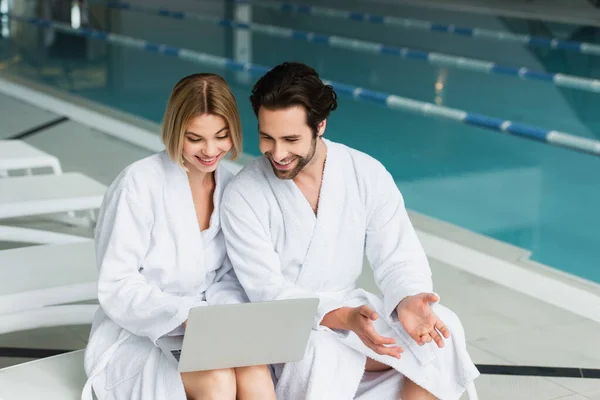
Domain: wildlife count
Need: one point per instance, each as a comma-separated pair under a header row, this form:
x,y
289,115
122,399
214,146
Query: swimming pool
x,y
536,196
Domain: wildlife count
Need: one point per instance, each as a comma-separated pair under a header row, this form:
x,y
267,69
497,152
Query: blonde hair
x,y
196,95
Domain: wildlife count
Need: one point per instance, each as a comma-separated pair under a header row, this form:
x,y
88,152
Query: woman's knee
x,y
214,384
255,382
250,373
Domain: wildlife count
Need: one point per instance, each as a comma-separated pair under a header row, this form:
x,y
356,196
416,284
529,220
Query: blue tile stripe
x,y
383,99
438,59
408,23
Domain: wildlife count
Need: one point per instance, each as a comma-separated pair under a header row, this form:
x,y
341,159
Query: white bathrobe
x,y
279,249
155,265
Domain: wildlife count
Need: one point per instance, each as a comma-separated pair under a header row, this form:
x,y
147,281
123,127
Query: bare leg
x,y
410,390
218,384
375,366
254,383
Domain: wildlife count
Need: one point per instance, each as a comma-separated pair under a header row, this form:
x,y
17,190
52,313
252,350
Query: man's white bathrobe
x,y
279,249
155,265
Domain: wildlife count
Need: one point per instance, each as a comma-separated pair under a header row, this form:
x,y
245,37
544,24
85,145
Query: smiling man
x,y
297,223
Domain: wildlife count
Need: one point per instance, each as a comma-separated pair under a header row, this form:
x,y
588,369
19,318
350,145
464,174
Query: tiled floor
x,y
62,338
508,328
503,326
11,125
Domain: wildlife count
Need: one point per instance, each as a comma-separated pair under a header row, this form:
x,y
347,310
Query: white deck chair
x,y
18,155
36,236
39,283
59,377
48,194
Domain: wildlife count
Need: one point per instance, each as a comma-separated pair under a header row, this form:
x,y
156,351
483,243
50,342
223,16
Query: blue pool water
x,y
532,195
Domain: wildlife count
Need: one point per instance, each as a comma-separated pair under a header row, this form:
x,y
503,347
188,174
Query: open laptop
x,y
238,335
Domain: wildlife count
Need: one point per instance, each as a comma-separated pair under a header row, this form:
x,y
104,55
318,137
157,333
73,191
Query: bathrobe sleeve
x,y
392,247
122,240
255,260
226,288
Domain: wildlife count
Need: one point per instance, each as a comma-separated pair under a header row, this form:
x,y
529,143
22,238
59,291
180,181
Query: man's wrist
x,y
338,319
404,298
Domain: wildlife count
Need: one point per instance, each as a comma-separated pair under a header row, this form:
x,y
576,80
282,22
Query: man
x,y
297,223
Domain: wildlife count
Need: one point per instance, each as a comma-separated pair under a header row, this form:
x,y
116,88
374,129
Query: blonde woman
x,y
160,252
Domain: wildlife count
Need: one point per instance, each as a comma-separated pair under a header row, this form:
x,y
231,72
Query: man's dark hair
x,y
295,84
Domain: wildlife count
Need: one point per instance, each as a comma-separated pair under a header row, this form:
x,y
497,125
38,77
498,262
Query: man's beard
x,y
300,164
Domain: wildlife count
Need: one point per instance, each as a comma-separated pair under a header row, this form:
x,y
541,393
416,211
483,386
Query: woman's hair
x,y
196,95
295,84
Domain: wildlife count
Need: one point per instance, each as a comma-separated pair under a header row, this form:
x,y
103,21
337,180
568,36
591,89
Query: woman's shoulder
x,y
142,175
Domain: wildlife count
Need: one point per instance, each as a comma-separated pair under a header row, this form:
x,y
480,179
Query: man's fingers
x,y
368,312
376,338
442,328
421,333
432,298
423,339
437,338
394,351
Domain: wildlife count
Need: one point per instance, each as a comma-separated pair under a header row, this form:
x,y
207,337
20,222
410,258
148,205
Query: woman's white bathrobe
x,y
155,265
280,249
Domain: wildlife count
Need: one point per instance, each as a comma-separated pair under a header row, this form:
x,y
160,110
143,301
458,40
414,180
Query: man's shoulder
x,y
249,180
363,164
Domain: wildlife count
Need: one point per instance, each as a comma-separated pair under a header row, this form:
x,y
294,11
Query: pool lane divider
x,y
358,45
548,136
543,42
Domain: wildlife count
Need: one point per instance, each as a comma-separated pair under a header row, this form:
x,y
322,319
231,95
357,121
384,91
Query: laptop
x,y
239,335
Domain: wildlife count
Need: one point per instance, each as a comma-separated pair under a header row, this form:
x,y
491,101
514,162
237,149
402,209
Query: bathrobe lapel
x,y
181,211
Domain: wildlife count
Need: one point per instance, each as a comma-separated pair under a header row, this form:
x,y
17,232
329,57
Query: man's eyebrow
x,y
288,137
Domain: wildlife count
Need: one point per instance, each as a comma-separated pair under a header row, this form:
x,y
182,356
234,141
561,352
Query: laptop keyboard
x,y
176,354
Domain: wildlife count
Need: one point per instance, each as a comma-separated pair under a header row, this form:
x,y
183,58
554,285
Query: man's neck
x,y
313,171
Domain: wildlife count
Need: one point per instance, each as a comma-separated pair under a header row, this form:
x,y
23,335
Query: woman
x,y
160,251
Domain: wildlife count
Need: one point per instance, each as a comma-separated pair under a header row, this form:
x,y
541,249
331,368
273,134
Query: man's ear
x,y
321,128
